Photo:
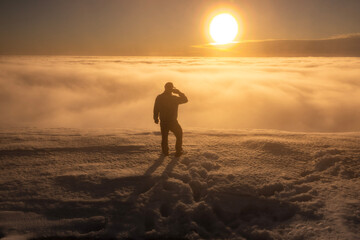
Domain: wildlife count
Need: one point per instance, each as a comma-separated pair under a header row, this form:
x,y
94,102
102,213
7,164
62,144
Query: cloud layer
x,y
296,94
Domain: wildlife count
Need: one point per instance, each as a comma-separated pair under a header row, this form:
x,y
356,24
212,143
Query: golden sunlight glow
x,y
223,28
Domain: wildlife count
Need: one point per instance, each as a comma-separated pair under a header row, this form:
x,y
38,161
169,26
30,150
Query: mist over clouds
x,y
298,94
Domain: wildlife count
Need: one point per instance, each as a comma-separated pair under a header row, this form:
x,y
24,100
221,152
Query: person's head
x,y
169,87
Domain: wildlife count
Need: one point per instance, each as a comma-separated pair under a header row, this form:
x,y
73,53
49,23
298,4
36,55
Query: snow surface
x,y
113,183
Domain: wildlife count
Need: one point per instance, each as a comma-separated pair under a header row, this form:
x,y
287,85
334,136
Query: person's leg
x,y
164,138
177,130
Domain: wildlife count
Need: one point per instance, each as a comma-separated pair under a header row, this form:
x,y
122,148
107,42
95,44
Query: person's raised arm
x,y
156,111
182,98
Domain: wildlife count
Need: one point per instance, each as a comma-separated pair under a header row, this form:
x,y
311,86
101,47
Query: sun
x,y
223,28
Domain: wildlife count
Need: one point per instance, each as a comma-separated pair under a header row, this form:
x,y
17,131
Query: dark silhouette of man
x,y
166,104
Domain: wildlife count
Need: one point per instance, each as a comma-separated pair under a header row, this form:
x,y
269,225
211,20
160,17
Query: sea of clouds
x,y
295,94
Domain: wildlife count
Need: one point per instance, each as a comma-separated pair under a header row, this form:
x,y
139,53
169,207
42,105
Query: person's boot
x,y
179,153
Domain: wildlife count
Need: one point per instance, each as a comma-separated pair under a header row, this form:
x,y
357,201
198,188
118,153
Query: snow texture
x,y
113,184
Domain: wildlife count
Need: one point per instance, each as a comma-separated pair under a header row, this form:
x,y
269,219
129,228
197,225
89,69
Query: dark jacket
x,y
166,105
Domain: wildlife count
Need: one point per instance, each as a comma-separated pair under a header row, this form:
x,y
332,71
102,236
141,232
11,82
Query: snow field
x,y
112,183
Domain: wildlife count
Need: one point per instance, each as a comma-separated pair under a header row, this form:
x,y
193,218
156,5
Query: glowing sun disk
x,y
223,28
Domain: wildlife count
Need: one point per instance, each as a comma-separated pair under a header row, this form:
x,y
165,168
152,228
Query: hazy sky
x,y
160,27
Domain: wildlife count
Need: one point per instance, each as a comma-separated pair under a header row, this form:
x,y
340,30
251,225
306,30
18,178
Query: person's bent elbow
x,y
183,101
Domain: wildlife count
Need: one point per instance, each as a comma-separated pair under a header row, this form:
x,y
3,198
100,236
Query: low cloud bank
x,y
338,46
296,94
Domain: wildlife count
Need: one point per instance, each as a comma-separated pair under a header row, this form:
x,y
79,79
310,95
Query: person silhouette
x,y
166,104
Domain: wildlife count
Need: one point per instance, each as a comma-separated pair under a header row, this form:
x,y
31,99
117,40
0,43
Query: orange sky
x,y
163,27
